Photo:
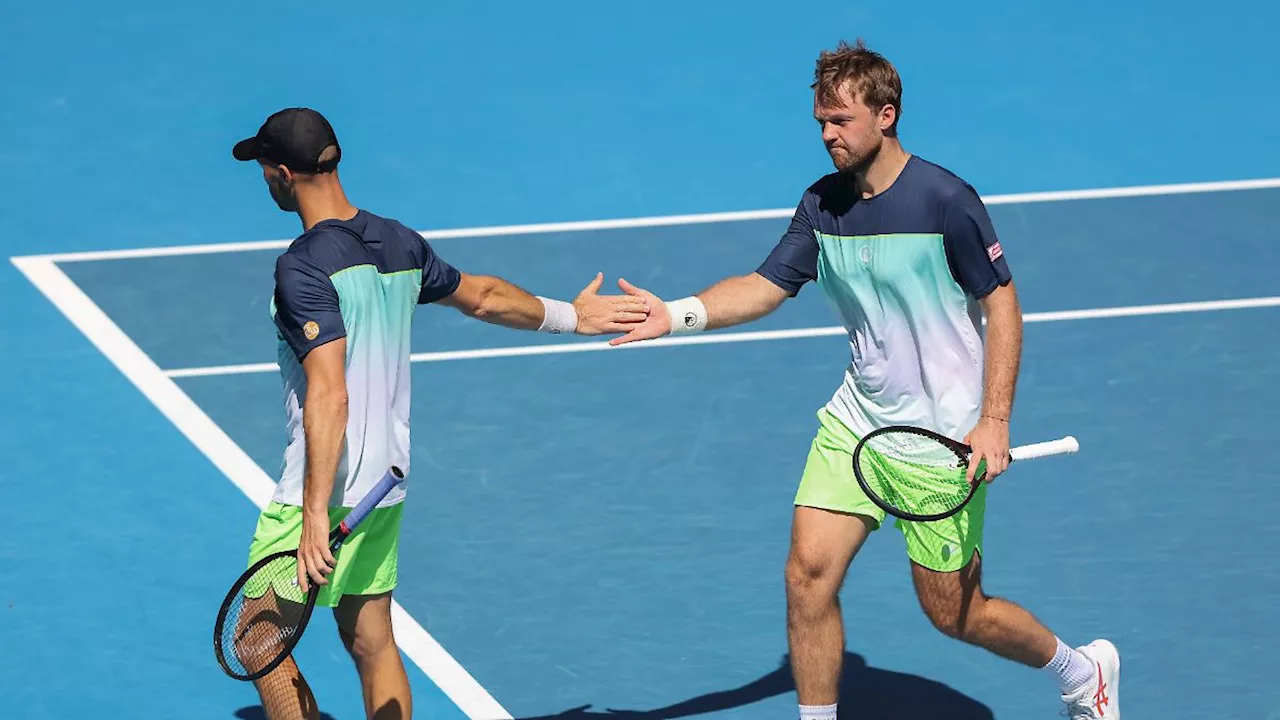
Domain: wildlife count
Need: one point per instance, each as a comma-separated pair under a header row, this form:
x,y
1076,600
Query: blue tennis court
x,y
601,532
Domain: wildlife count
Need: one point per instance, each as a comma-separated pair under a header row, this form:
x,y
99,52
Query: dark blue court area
x,y
602,533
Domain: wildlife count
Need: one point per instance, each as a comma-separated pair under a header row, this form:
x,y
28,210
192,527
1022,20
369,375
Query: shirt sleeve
x,y
973,250
308,314
439,278
794,260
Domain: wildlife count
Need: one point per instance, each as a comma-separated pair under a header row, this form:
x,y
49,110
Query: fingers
x,y
594,285
622,327
994,464
632,336
301,580
314,563
629,288
629,303
998,463
317,568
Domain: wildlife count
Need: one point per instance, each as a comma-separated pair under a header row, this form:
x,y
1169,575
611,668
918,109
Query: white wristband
x,y
558,316
688,315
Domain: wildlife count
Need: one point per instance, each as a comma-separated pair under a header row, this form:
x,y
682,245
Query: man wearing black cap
x,y
345,294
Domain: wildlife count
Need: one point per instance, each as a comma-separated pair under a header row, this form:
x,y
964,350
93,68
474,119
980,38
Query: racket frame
x,y
308,606
963,452
960,450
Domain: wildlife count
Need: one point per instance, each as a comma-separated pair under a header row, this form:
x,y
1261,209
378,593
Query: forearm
x,y
1003,357
501,303
324,424
738,300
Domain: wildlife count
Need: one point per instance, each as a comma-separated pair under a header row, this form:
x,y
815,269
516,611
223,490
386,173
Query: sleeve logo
x,y
994,251
311,330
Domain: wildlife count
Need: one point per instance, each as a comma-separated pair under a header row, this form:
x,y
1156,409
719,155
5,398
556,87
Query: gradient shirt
x,y
361,279
904,272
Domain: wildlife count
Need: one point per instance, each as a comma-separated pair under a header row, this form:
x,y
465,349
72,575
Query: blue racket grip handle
x,y
394,477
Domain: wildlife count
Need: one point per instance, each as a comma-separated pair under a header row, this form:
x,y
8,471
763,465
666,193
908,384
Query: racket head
x,y
914,473
262,617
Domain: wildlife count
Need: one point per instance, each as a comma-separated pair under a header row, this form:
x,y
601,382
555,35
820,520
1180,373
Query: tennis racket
x,y
265,612
920,475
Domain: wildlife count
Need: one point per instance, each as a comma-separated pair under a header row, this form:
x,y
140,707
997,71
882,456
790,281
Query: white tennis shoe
x,y
1099,698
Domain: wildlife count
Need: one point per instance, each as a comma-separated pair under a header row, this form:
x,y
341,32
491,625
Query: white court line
x,y
1036,197
232,460
716,338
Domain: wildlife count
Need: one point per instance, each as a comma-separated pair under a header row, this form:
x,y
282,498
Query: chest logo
x,y
311,330
864,253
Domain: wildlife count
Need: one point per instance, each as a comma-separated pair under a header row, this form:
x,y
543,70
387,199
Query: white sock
x,y
817,712
1071,668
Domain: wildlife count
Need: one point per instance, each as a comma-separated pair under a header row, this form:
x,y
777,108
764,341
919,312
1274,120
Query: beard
x,y
847,160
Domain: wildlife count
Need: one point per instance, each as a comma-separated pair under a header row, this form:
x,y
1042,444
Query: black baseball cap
x,y
293,137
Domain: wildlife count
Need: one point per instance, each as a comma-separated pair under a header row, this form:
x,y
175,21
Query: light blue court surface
x,y
602,533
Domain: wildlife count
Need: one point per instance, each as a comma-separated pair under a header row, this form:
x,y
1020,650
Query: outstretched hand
x,y
656,324
599,314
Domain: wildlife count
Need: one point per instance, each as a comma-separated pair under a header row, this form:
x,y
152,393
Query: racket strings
x,y
913,474
263,618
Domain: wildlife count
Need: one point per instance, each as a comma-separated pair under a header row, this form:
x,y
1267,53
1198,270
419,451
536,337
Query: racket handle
x,y
1060,446
394,477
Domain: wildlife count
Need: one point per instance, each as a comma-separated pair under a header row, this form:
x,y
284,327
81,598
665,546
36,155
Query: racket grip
x,y
394,477
1060,446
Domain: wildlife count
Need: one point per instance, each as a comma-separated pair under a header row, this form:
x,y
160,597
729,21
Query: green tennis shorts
x,y
828,483
367,560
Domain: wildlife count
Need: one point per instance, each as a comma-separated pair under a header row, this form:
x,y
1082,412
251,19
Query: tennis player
x,y
345,294
907,256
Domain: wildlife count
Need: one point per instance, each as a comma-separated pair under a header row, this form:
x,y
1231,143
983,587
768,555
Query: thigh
x,y
832,516
951,593
824,542
364,622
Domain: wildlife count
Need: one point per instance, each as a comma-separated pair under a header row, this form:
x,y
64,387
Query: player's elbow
x,y
488,303
478,297
328,400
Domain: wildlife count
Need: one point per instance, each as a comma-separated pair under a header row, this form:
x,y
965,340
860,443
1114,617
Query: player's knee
x,y
947,614
367,644
947,621
809,579
365,633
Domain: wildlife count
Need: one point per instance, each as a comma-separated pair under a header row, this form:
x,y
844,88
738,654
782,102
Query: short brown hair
x,y
872,79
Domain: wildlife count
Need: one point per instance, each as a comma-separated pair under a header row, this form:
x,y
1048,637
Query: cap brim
x,y
246,149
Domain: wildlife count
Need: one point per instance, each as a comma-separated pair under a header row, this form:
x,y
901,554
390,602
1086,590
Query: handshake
x,y
636,315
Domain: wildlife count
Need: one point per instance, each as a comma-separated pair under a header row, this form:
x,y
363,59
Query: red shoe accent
x,y
1100,698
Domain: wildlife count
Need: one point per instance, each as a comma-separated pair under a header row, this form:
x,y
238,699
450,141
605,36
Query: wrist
x,y
313,506
688,315
558,316
998,417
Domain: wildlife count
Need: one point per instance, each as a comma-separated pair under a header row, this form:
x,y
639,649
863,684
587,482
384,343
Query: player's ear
x,y
887,117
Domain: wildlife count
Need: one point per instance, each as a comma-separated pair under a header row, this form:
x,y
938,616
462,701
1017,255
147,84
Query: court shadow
x,y
257,713
867,692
